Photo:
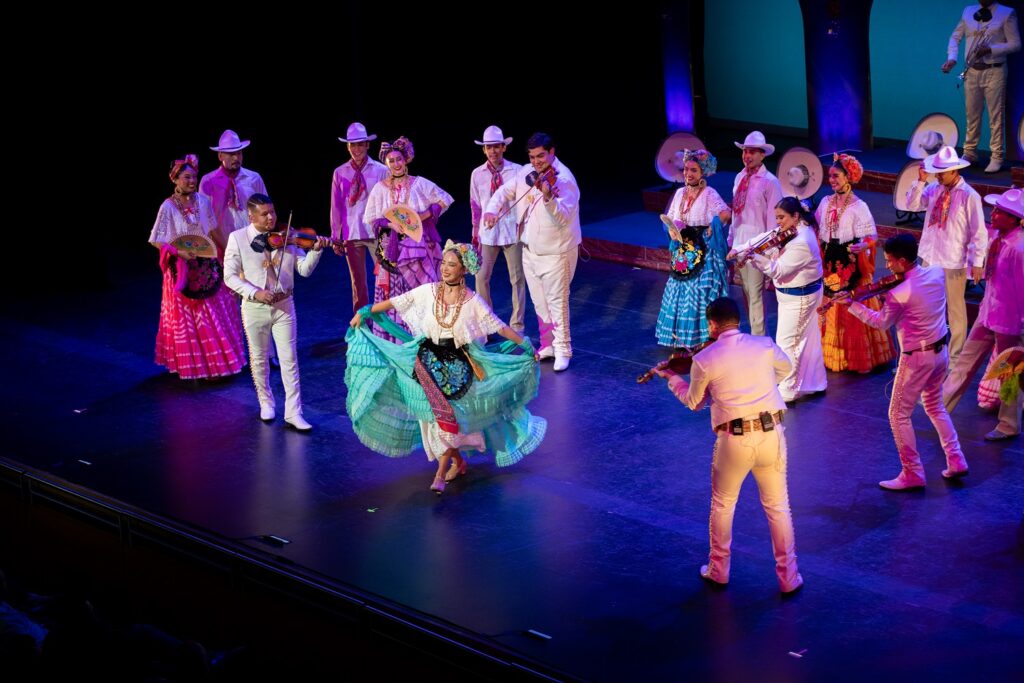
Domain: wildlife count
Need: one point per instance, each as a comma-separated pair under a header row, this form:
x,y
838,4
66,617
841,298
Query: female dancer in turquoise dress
x,y
442,389
698,273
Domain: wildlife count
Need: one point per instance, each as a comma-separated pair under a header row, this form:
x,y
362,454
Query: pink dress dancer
x,y
200,330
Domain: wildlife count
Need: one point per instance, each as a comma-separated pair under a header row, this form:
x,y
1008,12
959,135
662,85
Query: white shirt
x,y
247,272
1001,33
740,373
855,223
796,264
506,230
705,207
215,185
170,223
549,227
475,321
347,220
1002,307
758,214
416,191
965,224
917,306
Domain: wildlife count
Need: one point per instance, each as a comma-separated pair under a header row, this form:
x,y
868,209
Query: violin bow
x,y
284,250
525,194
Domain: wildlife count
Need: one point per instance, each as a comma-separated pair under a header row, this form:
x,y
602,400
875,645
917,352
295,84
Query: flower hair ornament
x,y
179,165
467,255
703,158
402,145
849,164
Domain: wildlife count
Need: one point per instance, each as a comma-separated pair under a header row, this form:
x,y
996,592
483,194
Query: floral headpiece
x,y
854,171
703,158
467,255
402,145
179,165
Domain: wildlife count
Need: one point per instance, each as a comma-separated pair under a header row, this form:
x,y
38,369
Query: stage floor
x,y
595,539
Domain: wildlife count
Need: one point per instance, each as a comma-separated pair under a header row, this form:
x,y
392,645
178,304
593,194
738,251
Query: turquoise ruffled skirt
x,y
386,404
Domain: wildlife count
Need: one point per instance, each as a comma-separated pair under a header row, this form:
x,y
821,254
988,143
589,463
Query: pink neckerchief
x,y
740,200
358,181
496,180
940,212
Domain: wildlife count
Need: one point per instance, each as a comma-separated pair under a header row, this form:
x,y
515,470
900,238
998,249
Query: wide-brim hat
x,y
230,142
945,159
906,177
757,141
493,136
931,134
357,133
800,173
1011,201
669,161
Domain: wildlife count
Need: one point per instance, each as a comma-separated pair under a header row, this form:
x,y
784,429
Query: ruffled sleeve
x,y
715,203
376,203
673,210
429,193
414,307
863,221
206,218
479,322
163,229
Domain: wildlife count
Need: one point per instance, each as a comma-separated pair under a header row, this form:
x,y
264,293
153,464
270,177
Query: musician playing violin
x,y
796,271
545,197
738,375
917,307
264,277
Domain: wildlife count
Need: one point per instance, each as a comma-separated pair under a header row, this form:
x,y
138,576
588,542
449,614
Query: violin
x,y
533,180
548,175
770,240
866,291
679,362
304,238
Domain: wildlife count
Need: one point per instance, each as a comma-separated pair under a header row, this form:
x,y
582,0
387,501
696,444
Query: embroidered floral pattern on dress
x,y
447,367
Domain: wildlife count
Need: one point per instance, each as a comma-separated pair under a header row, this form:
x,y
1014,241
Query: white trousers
x,y
921,374
548,278
799,335
764,454
985,89
261,321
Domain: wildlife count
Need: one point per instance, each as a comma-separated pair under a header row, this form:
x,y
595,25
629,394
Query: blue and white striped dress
x,y
681,321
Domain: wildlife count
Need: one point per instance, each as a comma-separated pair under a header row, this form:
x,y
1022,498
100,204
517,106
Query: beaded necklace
x,y
397,189
836,212
691,197
189,209
441,308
